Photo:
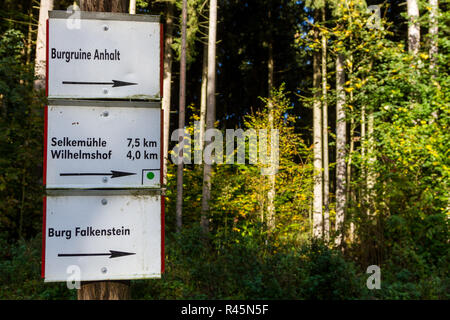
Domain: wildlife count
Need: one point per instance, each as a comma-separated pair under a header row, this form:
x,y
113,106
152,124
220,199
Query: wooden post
x,y
104,290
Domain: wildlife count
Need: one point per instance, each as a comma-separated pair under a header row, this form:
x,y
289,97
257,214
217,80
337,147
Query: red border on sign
x,y
161,178
46,60
44,222
161,60
161,181
44,178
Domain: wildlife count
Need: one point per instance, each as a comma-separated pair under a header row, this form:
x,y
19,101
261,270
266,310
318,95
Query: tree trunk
x,y
132,7
413,27
341,137
371,159
203,96
317,141
29,43
167,84
326,171
433,30
104,290
272,177
39,68
104,6
181,118
211,110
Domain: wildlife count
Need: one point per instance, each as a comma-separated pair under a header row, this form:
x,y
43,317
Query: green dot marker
x,y
150,175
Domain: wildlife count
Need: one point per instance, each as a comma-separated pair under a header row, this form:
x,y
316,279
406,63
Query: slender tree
x,y
317,140
325,156
413,27
433,30
341,152
203,95
39,69
272,176
132,7
210,111
181,119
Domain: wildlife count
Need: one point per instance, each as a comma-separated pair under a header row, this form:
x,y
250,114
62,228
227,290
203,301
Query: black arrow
x,y
113,174
114,83
111,254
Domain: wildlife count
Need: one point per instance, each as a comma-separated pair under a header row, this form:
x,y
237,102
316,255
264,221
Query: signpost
x,y
106,56
107,236
92,144
104,209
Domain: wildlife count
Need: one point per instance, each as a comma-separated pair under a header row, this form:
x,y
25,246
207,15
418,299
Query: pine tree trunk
x,y
39,67
413,27
104,290
29,43
326,171
272,177
181,119
433,30
167,84
317,141
341,152
371,159
203,95
211,110
132,7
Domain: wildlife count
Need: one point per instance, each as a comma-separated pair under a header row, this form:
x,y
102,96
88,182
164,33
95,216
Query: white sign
x,y
105,237
103,145
104,56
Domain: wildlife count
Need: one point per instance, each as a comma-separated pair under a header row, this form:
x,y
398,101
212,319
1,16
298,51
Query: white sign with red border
x,y
94,55
91,145
102,237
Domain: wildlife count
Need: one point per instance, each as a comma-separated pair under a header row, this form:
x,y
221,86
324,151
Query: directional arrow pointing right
x,y
111,254
113,174
114,83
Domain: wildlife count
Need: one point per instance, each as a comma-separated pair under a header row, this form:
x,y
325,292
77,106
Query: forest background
x,y
362,107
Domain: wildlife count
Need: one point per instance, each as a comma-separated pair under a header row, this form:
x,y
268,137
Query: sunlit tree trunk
x,y
413,27
39,68
326,171
210,110
132,7
317,142
371,159
341,152
272,177
433,30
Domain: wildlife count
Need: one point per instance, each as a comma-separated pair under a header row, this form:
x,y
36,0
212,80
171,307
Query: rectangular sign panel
x,y
102,237
91,145
103,56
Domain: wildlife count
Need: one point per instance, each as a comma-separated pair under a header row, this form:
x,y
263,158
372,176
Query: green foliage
x,y
243,267
21,136
20,279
